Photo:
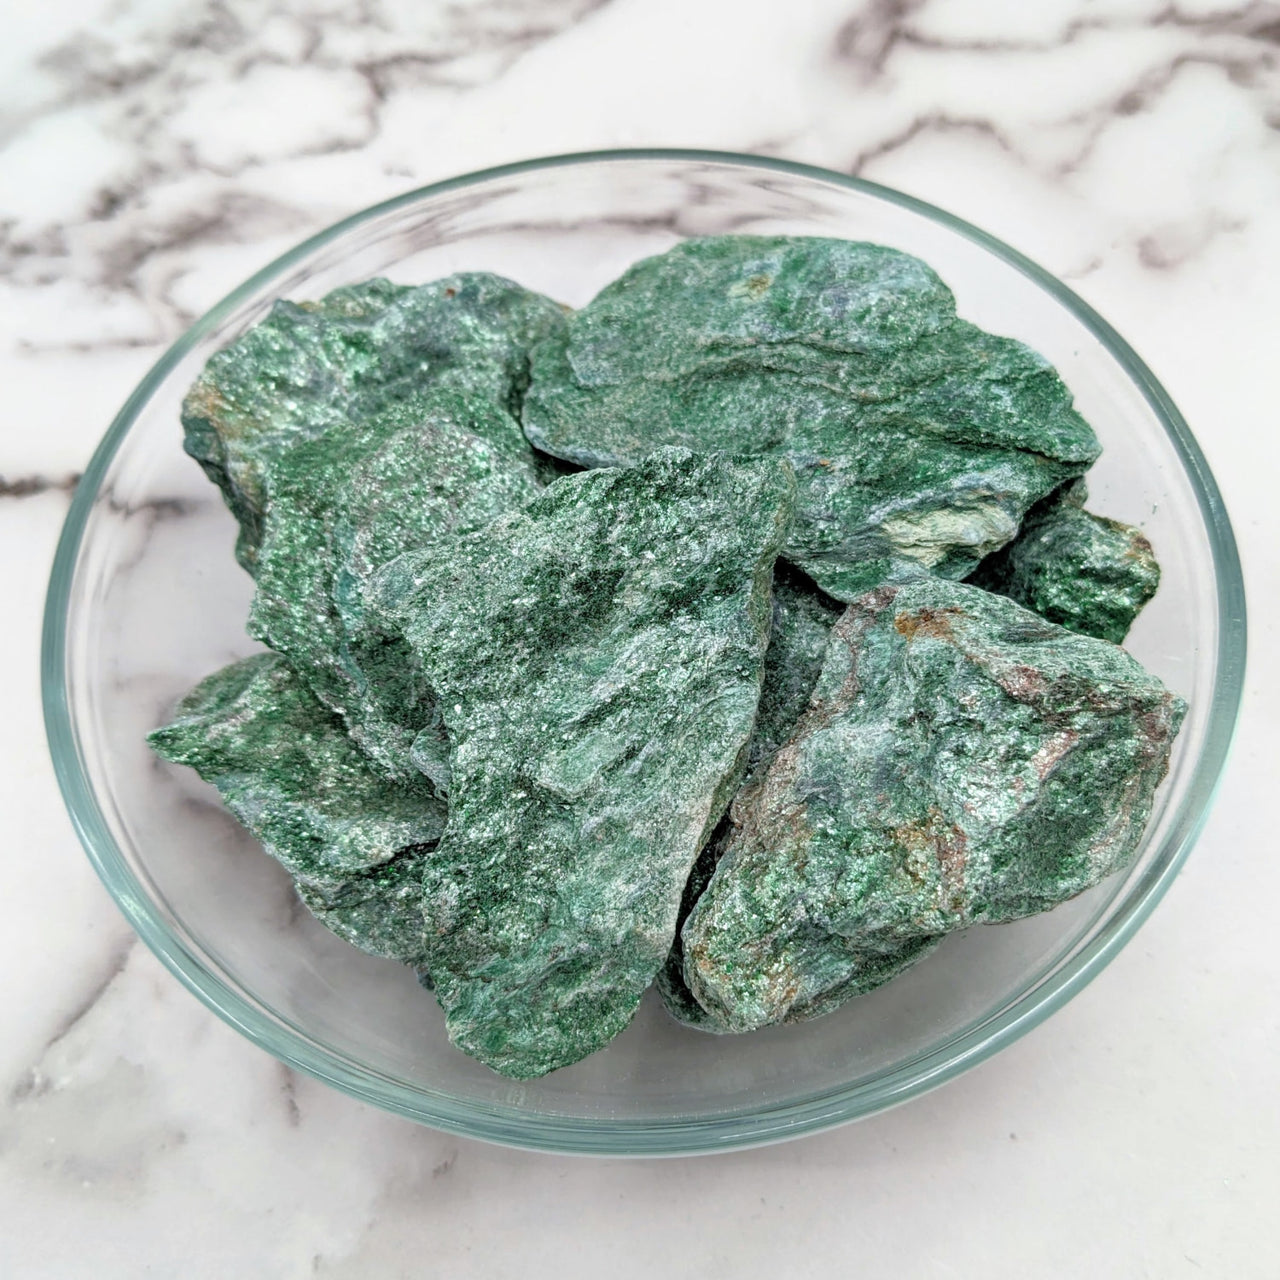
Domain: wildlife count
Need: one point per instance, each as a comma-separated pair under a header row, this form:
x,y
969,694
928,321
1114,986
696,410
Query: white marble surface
x,y
154,152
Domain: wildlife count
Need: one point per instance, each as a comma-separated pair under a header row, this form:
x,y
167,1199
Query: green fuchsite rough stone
x,y
963,761
354,843
801,627
345,503
803,617
550,735
313,368
914,435
833,975
674,992
1082,571
598,658
379,910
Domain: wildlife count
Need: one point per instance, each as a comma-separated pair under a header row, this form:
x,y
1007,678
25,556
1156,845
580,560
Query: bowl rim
x,y
679,1135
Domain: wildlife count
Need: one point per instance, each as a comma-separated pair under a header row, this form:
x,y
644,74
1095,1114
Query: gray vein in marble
x,y
114,967
289,1091
933,122
165,67
228,29
31,1084
228,218
869,39
1239,41
125,244
147,514
385,74
1086,268
159,508
1143,93
1167,252
34,1082
31,486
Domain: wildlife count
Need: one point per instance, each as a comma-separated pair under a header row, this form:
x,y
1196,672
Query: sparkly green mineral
x,y
314,368
353,842
914,435
598,658
346,503
548,737
801,626
379,910
963,761
1079,570
802,621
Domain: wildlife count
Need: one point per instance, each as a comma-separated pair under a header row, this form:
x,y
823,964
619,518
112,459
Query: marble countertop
x,y
155,152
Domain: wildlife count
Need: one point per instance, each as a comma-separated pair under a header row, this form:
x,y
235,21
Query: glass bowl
x,y
145,599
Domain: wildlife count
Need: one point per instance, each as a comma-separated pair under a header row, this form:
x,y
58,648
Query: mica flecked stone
x,y
379,910
915,436
310,369
1082,571
963,761
345,503
353,842
803,617
598,659
800,629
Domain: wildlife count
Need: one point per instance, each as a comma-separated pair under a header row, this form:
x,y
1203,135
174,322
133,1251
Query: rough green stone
x,y
598,658
378,911
963,761
354,843
318,367
801,627
676,997
834,973
345,503
802,620
914,435
1082,571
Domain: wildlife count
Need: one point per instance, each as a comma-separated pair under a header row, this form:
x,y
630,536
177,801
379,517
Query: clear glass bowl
x,y
145,599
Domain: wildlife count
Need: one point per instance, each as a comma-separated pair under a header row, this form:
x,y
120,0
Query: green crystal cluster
x,y
627,647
